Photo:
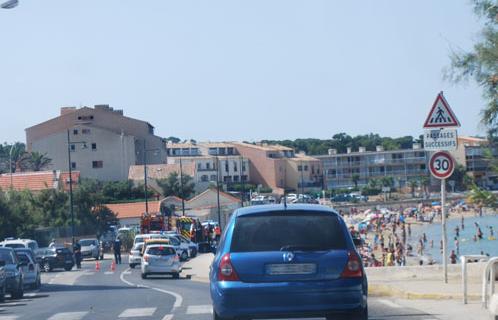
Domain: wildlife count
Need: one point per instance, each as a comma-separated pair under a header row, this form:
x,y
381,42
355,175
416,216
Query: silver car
x,y
31,270
90,248
160,259
135,257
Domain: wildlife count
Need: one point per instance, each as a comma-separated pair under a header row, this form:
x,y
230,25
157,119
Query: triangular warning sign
x,y
441,115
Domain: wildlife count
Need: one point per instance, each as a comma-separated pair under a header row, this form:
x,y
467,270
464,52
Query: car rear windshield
x,y
6,256
161,251
23,258
87,243
289,231
63,251
15,245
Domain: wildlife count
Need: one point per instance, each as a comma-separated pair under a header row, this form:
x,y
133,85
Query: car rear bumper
x,y
151,269
11,283
30,278
312,298
134,260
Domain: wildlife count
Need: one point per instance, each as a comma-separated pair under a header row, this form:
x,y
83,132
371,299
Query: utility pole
x,y
302,181
181,187
218,189
145,180
10,165
70,187
242,182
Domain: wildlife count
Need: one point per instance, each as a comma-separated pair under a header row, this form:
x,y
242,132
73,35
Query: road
x,y
122,294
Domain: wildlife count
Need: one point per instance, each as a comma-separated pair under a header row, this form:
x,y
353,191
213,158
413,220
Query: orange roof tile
x,y
160,171
35,181
133,209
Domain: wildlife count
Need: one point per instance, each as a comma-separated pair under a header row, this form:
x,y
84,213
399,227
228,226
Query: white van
x,y
20,243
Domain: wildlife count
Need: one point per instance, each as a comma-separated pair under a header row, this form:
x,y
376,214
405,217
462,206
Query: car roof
x,y
280,207
160,245
156,240
6,249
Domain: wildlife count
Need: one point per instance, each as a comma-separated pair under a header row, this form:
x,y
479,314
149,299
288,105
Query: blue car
x,y
277,261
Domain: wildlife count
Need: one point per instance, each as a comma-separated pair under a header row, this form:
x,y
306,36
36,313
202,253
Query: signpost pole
x,y
443,225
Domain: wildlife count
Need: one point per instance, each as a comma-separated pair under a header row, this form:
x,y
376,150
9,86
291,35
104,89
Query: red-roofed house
x,y
129,214
38,180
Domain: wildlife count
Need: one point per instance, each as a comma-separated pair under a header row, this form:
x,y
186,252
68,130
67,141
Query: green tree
x,y
35,161
413,184
425,182
482,198
481,63
458,176
104,218
171,186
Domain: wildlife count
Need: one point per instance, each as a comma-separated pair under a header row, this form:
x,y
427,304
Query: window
x,y
204,178
73,165
85,118
227,179
230,151
221,150
73,147
226,166
213,177
243,178
299,168
309,230
235,166
235,178
94,146
199,166
97,164
85,131
208,166
243,166
305,168
75,131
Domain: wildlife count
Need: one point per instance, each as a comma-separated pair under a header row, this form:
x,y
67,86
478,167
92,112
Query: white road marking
x,y
137,312
127,272
68,315
9,317
201,309
168,317
389,303
30,295
109,272
178,298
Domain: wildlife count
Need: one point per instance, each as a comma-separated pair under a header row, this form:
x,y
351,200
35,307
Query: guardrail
x,y
463,260
489,276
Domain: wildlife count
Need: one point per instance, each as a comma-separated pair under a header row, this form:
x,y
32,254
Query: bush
x,y
368,191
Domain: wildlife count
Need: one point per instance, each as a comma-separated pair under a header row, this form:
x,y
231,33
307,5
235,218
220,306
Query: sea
x,y
466,243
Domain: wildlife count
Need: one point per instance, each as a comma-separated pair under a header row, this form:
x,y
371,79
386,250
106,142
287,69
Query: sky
x,y
238,70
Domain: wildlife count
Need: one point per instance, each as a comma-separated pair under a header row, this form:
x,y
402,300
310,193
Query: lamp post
x,y
181,187
10,165
218,189
242,182
69,143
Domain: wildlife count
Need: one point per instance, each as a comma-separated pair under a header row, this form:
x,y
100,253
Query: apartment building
x,y
103,143
206,157
402,165
471,153
279,168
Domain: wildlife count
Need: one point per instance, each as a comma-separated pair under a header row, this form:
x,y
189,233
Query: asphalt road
x,y
122,294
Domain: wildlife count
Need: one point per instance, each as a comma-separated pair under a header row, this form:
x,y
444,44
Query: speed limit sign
x,y
441,165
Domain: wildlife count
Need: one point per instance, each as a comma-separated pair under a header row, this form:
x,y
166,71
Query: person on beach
x,y
457,246
491,232
457,231
424,237
479,233
463,223
453,257
432,244
409,230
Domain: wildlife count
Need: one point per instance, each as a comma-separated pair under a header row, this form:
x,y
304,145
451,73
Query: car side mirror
x,y
358,242
2,263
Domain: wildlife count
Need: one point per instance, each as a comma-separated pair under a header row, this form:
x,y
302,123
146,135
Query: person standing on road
x,y
453,257
77,253
117,251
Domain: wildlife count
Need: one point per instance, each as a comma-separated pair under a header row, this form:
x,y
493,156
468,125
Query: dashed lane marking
x,y
68,315
200,309
127,272
389,303
109,272
168,317
137,312
12,317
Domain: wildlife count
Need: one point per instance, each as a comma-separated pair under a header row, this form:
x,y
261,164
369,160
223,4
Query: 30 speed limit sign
x,y
441,165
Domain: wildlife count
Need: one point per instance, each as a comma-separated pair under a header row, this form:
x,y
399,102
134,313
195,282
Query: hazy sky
x,y
237,70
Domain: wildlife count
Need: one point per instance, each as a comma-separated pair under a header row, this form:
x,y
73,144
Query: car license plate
x,y
293,268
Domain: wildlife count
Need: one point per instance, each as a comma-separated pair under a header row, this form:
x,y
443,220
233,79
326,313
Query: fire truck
x,y
152,222
186,227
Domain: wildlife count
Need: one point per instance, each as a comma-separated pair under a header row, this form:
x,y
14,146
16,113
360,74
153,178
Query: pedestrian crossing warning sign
x,y
441,115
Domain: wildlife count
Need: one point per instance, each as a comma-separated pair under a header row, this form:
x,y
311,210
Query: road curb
x,y
380,290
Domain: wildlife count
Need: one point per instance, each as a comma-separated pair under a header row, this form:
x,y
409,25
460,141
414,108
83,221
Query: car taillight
x,y
353,267
31,267
146,258
226,272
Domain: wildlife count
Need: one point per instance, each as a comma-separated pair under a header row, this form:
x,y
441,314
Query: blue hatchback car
x,y
277,261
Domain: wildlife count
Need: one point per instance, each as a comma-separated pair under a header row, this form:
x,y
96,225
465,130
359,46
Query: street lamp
x,y
69,143
9,4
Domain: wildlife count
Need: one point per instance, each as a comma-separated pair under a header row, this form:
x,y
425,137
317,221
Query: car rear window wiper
x,y
303,248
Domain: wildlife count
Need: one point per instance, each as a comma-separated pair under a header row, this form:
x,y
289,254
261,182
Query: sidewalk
x,y
198,267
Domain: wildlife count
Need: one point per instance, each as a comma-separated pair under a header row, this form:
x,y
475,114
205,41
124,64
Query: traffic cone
x,y
113,266
97,266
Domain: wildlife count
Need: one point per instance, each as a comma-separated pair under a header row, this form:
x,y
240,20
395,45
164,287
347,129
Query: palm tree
x,y
34,161
413,183
425,182
482,198
355,178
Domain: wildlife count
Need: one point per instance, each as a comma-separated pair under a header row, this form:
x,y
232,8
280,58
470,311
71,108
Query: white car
x,y
20,243
135,259
182,248
160,259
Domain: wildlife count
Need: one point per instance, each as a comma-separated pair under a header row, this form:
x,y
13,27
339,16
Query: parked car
x,y
193,247
20,243
55,258
13,272
90,248
135,256
30,269
3,284
276,260
181,248
160,259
